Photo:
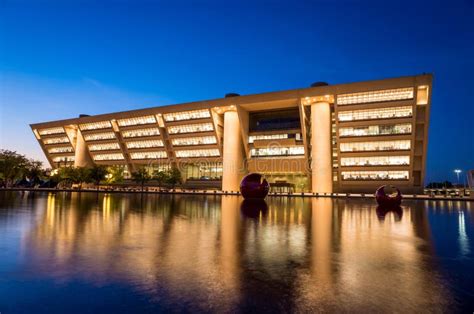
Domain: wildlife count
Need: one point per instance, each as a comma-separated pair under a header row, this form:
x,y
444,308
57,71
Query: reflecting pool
x,y
125,253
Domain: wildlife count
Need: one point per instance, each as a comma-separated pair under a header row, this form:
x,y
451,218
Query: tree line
x,y
17,170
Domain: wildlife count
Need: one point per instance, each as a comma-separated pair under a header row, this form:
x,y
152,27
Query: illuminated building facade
x,y
322,139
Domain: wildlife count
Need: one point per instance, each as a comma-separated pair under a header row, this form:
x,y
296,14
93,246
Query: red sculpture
x,y
254,186
391,200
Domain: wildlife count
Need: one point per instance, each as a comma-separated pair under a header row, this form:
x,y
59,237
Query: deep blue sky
x,y
59,59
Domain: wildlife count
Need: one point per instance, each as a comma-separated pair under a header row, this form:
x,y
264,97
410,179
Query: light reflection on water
x,y
123,253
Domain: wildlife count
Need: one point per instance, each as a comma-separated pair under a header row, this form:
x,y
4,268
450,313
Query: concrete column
x,y
232,159
82,158
321,168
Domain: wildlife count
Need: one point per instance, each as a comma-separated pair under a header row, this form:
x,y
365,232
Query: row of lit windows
x,y
105,146
56,140
253,138
376,161
190,128
63,158
197,153
99,136
187,115
148,155
374,175
277,151
381,113
136,121
203,140
116,156
144,144
50,131
141,132
376,130
55,150
375,146
95,125
375,96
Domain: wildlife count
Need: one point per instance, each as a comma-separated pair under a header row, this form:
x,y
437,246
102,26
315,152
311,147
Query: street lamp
x,y
457,171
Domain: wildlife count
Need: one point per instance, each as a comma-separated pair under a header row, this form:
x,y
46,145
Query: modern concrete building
x,y
325,138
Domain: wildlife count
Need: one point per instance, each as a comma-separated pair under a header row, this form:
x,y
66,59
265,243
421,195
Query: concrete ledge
x,y
215,192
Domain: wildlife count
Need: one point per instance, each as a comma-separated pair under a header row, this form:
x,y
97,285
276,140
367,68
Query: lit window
x,y
148,155
56,140
101,157
99,136
187,115
277,151
50,131
197,153
105,146
144,144
63,159
422,95
253,138
95,125
374,175
375,96
375,146
186,141
388,129
382,113
190,128
55,150
141,132
136,121
376,161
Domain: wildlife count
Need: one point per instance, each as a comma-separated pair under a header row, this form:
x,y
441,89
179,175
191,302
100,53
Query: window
x,y
197,153
382,113
374,175
376,161
56,140
252,138
148,155
50,131
102,157
144,144
203,140
105,146
55,150
375,96
136,121
99,136
190,128
205,171
187,115
63,159
375,146
277,151
95,125
141,132
372,130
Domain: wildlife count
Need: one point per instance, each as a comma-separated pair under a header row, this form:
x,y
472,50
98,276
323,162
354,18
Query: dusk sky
x,y
61,59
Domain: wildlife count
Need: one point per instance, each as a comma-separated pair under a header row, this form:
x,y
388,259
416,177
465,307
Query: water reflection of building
x,y
318,253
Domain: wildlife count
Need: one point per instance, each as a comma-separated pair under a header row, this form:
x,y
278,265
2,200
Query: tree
x,y
174,177
141,176
12,166
34,171
160,176
76,175
116,174
97,173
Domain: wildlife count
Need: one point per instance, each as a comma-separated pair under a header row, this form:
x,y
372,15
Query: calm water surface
x,y
80,253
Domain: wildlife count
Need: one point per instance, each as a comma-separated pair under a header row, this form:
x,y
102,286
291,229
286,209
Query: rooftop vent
x,y
317,84
83,115
228,95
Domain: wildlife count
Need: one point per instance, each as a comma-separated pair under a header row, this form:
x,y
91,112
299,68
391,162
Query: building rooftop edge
x,y
242,99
